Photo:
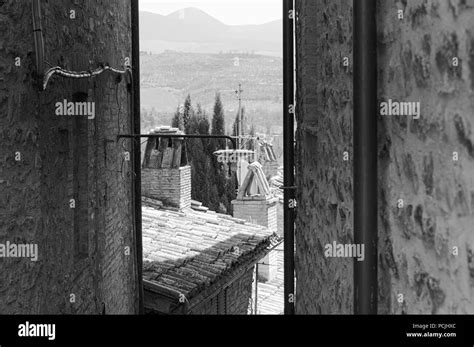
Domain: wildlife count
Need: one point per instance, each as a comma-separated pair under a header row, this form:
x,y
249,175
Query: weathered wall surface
x,y
324,180
416,157
81,250
425,245
236,299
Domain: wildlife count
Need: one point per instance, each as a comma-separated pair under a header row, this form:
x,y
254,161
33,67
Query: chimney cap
x,y
165,152
164,130
254,174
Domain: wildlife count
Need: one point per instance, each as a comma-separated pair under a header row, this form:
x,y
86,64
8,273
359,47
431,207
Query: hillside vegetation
x,y
167,78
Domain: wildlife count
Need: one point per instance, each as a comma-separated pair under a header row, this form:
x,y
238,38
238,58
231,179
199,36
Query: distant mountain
x,y
194,30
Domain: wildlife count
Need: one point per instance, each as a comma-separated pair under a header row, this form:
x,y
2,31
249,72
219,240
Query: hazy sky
x,y
232,12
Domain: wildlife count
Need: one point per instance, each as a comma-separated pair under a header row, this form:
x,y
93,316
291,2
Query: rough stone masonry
x,y
426,165
64,183
324,133
426,245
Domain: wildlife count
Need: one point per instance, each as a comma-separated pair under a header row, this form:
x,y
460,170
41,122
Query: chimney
x,y
256,204
266,156
166,175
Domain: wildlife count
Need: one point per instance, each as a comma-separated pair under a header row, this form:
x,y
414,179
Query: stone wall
x,y
239,294
416,242
324,179
426,165
83,264
236,299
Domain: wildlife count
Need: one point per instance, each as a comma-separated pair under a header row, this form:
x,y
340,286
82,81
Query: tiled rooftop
x,y
190,250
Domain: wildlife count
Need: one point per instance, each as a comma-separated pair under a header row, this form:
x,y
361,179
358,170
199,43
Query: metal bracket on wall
x,y
58,70
192,136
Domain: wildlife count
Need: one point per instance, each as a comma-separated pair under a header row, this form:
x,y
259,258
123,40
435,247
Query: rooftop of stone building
x,y
192,250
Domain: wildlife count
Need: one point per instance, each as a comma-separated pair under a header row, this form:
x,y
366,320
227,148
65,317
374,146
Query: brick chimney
x,y
166,175
256,204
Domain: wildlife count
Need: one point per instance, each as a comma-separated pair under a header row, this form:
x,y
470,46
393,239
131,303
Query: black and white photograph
x,y
277,162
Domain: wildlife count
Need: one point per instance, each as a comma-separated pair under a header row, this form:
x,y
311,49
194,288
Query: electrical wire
x,y
81,74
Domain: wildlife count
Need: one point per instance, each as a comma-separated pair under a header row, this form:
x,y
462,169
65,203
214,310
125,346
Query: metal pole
x,y
193,136
240,117
137,148
288,149
365,155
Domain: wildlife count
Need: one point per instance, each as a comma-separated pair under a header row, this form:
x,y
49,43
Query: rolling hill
x,y
193,30
167,78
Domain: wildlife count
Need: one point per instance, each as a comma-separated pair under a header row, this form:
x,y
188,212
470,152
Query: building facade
x,y
323,178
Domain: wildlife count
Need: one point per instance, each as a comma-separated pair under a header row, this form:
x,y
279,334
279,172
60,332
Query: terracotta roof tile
x,y
190,250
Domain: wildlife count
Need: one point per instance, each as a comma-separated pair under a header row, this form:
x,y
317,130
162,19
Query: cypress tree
x,y
177,121
204,185
224,183
210,184
218,123
188,112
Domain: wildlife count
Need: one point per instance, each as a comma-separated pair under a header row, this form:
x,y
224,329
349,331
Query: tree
x,y
224,183
235,127
178,121
251,142
210,184
203,125
205,186
218,123
188,112
199,160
